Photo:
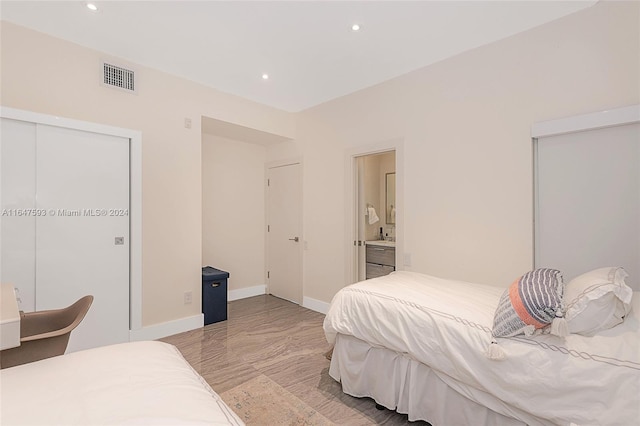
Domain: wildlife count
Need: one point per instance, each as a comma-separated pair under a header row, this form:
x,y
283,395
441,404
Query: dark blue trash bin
x,y
214,294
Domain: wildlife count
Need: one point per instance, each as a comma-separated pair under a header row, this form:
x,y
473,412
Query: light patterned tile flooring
x,y
267,362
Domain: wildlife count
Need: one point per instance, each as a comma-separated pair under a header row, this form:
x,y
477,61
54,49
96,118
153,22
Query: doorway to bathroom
x,y
375,214
376,218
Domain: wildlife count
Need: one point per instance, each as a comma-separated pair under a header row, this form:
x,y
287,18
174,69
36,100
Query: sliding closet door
x,y
18,201
82,243
588,201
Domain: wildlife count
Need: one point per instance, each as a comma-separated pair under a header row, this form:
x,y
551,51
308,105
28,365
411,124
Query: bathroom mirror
x,y
390,205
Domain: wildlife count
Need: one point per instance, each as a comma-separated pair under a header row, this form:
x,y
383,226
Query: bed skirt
x,y
405,385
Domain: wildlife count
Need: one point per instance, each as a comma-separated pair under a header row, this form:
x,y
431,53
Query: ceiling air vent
x,y
115,76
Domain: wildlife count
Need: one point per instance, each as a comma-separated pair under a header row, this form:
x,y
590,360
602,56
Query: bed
x,y
418,344
138,383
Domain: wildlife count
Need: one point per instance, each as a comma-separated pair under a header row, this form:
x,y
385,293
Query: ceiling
x,y
307,48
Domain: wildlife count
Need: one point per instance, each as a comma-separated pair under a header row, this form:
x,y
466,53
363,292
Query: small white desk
x,y
9,318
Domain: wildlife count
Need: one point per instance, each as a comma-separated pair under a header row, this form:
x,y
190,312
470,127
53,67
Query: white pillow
x,y
597,300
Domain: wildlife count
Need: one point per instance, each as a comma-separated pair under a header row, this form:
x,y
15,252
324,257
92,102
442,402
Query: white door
x,y
18,202
56,243
588,201
82,244
284,232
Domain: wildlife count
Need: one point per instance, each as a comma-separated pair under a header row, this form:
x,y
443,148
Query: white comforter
x,y
447,325
141,383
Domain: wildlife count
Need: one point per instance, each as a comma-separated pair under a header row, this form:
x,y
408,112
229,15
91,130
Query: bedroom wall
x,y
465,123
51,76
233,206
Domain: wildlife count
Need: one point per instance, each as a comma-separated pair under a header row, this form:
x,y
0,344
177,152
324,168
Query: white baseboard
x,y
315,305
158,331
243,293
169,328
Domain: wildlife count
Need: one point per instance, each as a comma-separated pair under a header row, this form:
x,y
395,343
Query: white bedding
x,y
446,325
140,383
405,385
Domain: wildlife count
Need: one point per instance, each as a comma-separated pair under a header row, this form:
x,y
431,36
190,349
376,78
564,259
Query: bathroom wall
x,y
372,194
387,165
376,166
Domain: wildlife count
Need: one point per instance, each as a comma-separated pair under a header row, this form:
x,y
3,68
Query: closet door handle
x,y
296,239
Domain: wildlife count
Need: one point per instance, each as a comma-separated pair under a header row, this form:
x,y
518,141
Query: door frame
x,y
351,202
135,194
271,165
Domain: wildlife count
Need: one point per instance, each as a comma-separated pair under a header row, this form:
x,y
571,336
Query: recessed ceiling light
x,y
92,7
265,76
355,27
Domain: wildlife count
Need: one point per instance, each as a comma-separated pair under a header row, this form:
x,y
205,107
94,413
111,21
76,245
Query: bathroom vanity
x,y
380,258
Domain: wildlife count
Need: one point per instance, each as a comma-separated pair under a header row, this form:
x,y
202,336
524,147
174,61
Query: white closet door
x,y
588,201
18,200
82,244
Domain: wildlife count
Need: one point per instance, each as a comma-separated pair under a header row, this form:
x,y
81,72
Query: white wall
x,y
233,206
465,123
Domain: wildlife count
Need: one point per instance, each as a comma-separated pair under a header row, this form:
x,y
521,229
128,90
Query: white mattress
x,y
140,383
446,325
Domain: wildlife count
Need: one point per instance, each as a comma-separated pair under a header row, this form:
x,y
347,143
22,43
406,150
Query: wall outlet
x,y
188,297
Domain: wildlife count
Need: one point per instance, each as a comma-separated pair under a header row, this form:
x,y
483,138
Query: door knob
x,y
296,239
